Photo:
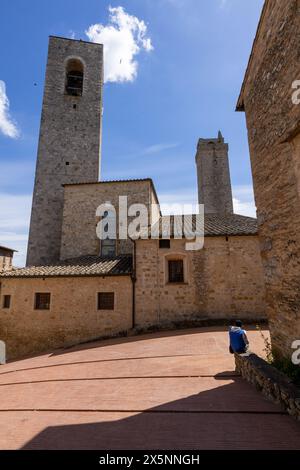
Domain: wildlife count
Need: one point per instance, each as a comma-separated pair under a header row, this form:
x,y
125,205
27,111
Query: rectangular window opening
x,y
108,248
176,271
164,244
6,301
106,301
42,301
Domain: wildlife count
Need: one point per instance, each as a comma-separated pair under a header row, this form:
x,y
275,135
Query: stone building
x,y
222,281
70,138
81,201
6,258
271,102
89,288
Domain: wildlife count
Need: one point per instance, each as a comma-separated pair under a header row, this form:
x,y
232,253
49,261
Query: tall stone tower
x,y
214,183
70,139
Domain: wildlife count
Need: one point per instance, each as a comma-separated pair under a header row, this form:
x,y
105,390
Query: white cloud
x,y
7,126
183,202
124,37
14,224
157,148
243,200
154,149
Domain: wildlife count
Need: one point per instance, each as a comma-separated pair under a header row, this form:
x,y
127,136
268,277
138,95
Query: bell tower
x,y
70,139
214,184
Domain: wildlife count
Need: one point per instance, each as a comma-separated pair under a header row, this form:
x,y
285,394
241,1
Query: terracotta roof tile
x,y
132,180
84,266
214,225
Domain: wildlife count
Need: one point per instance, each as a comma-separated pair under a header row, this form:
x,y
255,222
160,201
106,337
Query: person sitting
x,y
238,339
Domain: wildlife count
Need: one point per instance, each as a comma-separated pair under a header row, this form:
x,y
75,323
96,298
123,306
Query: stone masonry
x,y
273,122
276,386
6,258
214,176
69,144
79,216
73,317
222,281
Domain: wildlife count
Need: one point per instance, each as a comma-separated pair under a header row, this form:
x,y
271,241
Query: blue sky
x,y
183,85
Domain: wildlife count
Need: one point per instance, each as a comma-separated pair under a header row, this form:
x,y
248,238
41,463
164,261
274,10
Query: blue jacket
x,y
237,340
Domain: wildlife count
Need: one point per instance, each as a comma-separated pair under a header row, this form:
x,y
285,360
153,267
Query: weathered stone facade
x,y
69,144
73,316
79,218
6,259
214,183
273,122
222,281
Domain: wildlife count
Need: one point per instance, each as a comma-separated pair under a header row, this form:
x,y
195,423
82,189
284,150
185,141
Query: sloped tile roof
x,y
132,180
214,225
7,249
230,225
84,266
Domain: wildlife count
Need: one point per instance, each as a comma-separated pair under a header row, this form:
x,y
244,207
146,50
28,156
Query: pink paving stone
x,y
166,390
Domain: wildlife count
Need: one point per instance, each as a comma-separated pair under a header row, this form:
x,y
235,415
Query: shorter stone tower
x,y
214,183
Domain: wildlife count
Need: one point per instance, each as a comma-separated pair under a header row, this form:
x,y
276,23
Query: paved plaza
x,y
168,390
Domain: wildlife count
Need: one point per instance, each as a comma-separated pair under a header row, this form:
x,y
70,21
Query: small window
x,y
164,244
106,301
108,235
74,78
6,301
176,271
42,301
108,248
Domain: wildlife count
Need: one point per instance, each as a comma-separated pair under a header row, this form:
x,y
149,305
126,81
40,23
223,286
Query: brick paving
x,y
168,390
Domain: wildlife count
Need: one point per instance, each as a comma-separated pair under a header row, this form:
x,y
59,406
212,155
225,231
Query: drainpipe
x,y
133,280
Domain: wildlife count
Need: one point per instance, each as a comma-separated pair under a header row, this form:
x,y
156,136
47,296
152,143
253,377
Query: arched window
x,y
74,77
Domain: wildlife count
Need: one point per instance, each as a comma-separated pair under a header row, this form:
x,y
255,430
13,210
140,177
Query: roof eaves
x,y
134,180
240,107
8,249
57,276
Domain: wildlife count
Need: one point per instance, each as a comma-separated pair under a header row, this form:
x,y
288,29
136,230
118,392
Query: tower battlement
x,y
220,140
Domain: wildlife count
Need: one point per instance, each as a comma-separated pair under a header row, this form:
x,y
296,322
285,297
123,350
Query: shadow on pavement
x,y
231,416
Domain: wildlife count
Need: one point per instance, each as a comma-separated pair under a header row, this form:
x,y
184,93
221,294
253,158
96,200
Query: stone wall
x,y
273,123
69,142
73,316
272,383
79,218
5,262
223,281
